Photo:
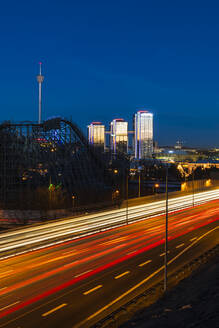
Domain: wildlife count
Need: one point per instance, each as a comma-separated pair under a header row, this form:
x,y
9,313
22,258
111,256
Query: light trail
x,y
56,232
97,254
38,273
71,282
129,291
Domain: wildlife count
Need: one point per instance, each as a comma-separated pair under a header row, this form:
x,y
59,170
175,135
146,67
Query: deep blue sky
x,y
104,59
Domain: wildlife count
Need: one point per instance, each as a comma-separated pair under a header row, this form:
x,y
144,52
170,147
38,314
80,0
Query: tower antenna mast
x,y
40,79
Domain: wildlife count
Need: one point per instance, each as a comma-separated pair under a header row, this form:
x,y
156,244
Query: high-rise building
x,y
143,134
119,136
96,134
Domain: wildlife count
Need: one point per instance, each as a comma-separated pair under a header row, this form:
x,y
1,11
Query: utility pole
x,y
193,191
127,196
166,234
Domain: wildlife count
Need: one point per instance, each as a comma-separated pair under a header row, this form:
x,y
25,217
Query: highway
x,y
77,282
51,233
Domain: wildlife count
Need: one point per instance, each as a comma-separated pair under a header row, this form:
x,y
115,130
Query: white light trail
x,y
68,229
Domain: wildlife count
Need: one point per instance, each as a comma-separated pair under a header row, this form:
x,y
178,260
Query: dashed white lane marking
x,y
53,310
81,274
107,306
144,263
162,254
122,274
180,245
131,252
7,306
193,239
92,290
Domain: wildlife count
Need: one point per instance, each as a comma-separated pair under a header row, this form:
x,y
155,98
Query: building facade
x,y
143,134
119,136
96,134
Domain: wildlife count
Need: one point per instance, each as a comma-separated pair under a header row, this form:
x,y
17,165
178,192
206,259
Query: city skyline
x,y
109,163
98,65
136,140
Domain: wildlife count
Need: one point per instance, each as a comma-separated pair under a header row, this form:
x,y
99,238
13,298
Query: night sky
x,y
105,59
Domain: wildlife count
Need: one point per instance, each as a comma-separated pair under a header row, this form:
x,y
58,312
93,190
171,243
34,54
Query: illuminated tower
x,y
143,138
40,79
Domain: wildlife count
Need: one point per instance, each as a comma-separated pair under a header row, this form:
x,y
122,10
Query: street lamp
x,y
156,186
73,201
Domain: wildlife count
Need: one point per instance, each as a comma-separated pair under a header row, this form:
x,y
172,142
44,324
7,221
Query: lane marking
x,y
92,290
82,323
131,252
180,245
162,254
122,274
7,306
193,239
144,263
80,274
53,310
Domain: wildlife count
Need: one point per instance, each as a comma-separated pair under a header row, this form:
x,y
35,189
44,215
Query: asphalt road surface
x,y
78,282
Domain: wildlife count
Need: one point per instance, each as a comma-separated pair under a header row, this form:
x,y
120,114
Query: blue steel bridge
x,y
50,166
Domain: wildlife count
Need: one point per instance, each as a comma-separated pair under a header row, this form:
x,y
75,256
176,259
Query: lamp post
x,y
127,197
193,192
166,233
139,183
115,194
117,197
